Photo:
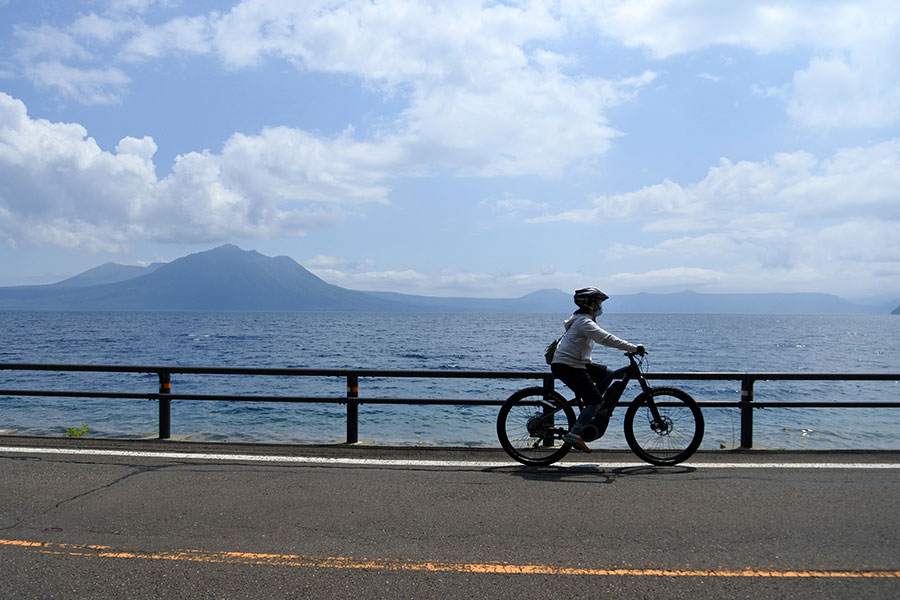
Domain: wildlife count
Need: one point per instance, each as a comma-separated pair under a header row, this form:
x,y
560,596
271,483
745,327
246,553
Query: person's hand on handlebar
x,y
641,351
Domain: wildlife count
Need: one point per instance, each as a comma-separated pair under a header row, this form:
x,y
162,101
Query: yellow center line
x,y
336,562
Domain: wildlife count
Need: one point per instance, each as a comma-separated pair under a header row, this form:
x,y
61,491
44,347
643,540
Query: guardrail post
x,y
549,382
352,409
165,405
746,413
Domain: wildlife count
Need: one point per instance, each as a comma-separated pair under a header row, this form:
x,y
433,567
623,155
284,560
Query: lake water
x,y
466,342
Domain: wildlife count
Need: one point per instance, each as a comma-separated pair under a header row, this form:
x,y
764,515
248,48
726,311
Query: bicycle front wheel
x,y
531,424
664,426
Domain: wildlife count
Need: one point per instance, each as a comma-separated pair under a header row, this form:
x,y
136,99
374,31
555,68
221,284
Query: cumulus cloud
x,y
465,69
54,172
58,186
852,182
860,90
790,219
472,74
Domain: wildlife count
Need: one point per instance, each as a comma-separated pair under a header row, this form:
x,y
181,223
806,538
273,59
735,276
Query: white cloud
x,y
483,96
288,164
669,27
853,77
62,60
464,69
53,171
59,187
44,42
854,182
190,35
397,41
472,69
843,92
91,86
335,264
324,262
790,222
524,123
407,281
677,278
514,206
139,6
664,205
102,30
143,148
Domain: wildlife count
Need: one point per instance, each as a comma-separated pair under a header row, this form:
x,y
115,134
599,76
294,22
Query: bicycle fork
x,y
659,423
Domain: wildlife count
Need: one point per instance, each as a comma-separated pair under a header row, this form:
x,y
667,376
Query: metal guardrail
x,y
164,395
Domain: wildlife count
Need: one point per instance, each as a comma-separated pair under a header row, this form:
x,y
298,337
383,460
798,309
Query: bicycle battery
x,y
597,427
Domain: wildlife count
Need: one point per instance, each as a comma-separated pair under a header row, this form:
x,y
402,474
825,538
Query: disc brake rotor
x,y
663,426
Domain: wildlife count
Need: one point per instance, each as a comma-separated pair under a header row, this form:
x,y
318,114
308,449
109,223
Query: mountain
x,y
228,278
225,278
896,311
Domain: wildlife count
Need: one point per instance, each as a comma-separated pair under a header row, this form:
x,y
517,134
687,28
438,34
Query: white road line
x,y
378,462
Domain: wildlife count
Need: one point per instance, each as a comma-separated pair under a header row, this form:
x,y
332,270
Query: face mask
x,y
599,310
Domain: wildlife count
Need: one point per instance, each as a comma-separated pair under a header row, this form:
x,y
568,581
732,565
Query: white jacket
x,y
582,332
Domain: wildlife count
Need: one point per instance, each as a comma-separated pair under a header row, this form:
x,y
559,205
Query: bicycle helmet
x,y
589,297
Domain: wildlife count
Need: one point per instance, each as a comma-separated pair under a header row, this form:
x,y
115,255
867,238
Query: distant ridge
x,y
228,278
748,304
107,273
224,278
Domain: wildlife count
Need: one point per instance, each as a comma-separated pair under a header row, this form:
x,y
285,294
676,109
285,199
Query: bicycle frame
x,y
626,374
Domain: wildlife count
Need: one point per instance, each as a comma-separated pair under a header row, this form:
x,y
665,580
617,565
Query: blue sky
x,y
459,148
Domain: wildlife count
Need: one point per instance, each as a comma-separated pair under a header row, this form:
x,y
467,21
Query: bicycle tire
x,y
527,428
674,437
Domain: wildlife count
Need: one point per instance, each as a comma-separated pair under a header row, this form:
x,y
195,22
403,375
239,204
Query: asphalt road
x,y
152,519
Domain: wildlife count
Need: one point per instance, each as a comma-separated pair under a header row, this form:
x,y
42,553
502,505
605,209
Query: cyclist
x,y
572,361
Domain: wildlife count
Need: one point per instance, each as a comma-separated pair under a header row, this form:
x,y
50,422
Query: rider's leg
x,y
601,377
584,383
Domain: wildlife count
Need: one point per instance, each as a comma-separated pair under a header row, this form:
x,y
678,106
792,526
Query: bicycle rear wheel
x,y
531,424
664,426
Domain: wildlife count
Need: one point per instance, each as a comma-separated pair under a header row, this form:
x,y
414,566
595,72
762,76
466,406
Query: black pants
x,y
589,385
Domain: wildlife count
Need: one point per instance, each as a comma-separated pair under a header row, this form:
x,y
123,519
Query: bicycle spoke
x,y
664,426
531,424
